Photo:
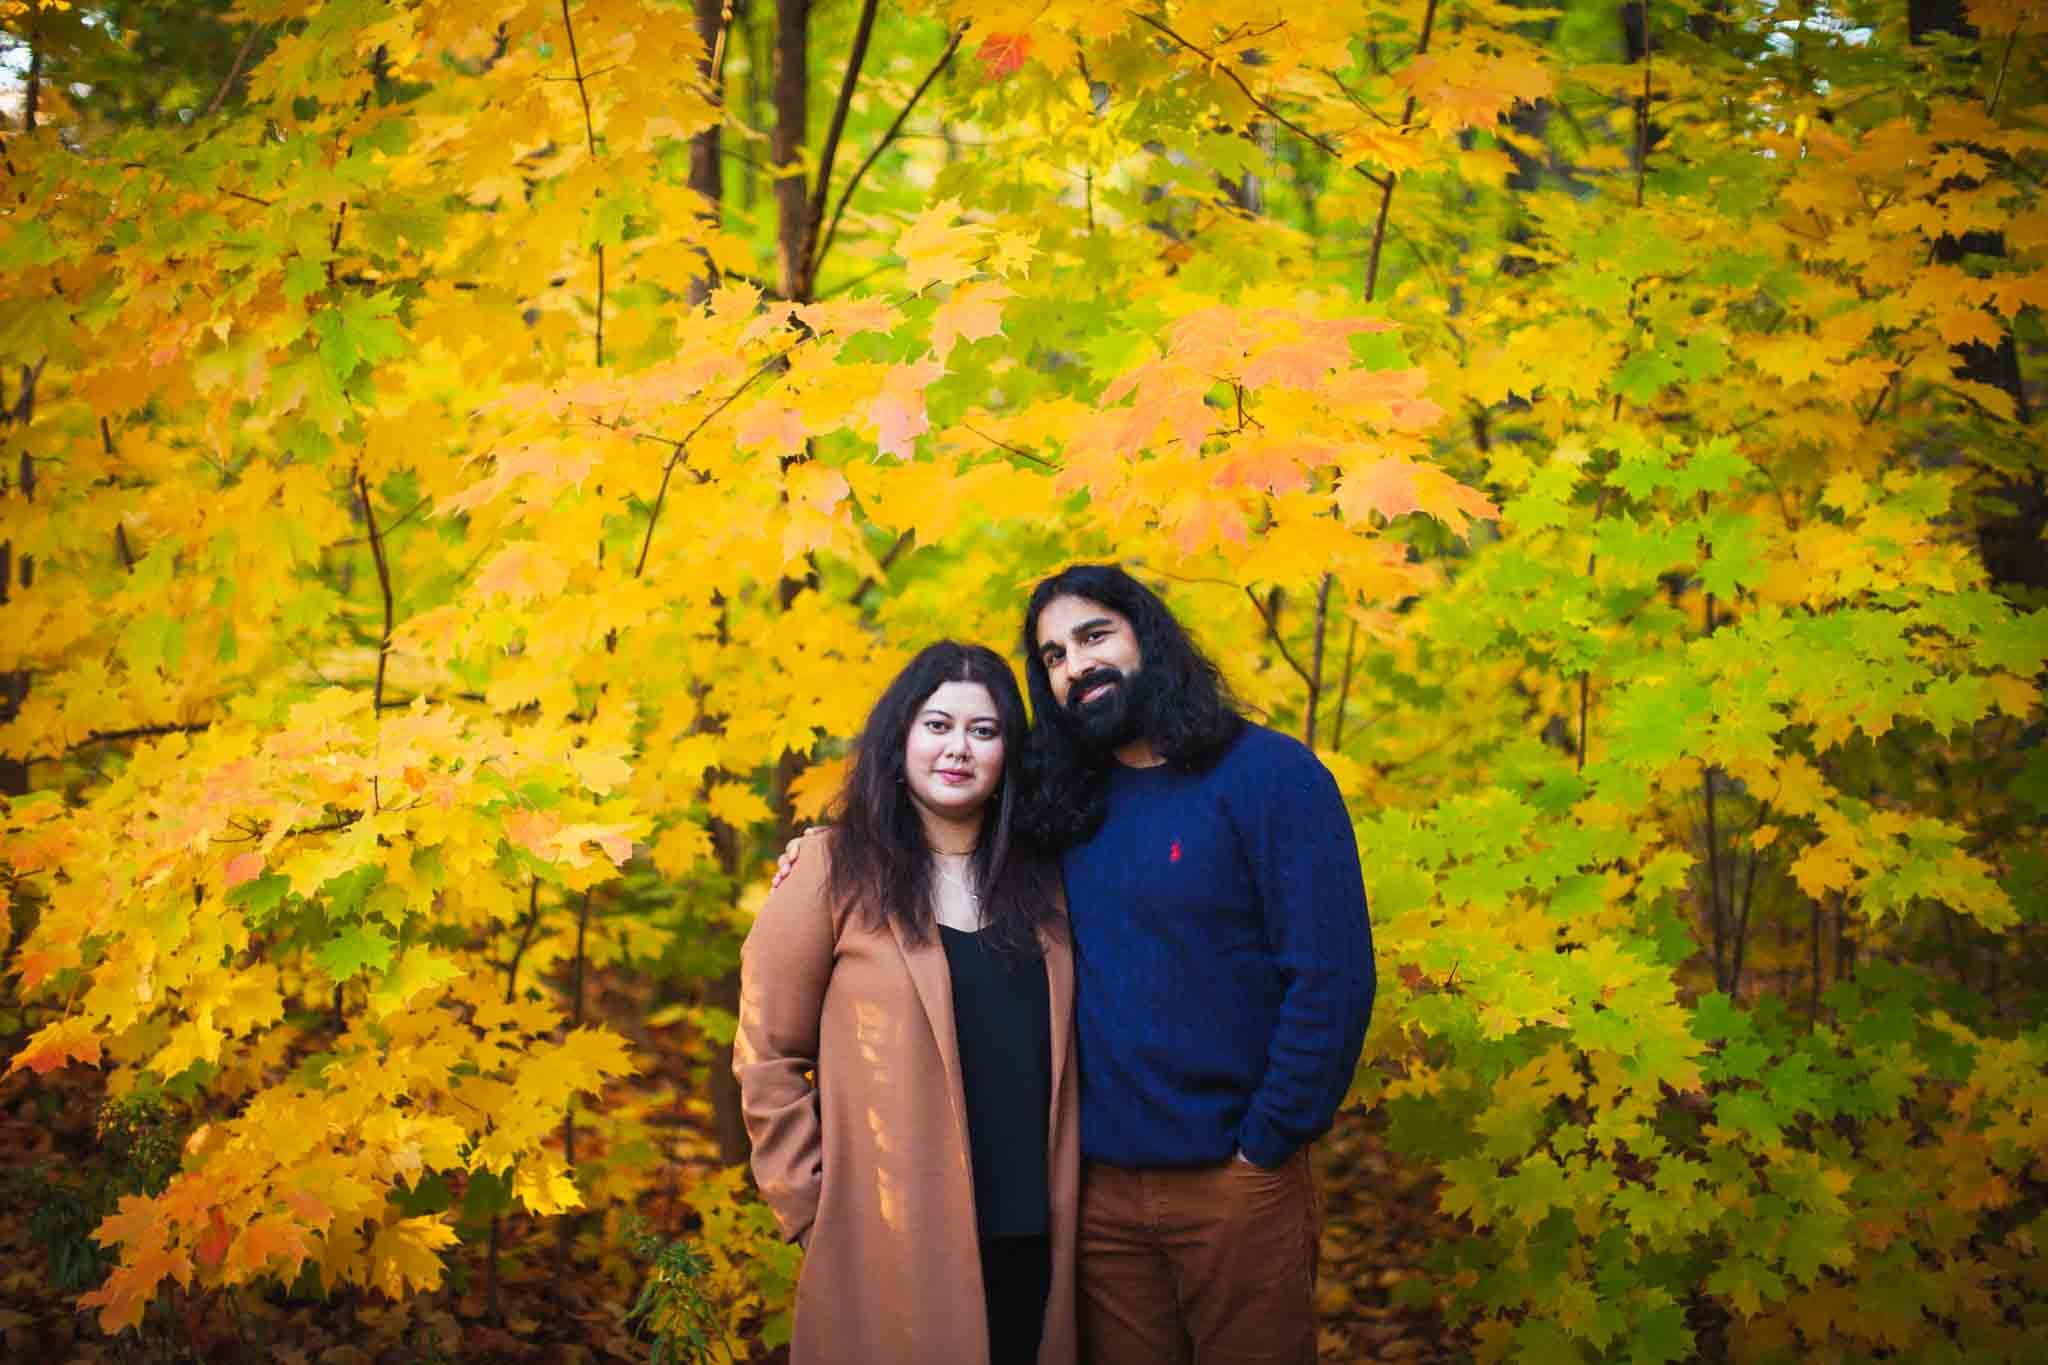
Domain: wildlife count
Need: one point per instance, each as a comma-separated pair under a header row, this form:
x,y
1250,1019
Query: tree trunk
x,y
707,172
792,129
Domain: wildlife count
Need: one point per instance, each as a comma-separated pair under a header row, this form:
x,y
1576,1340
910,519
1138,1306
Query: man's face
x,y
1092,660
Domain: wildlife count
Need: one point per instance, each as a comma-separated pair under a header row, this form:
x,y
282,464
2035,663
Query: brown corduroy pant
x,y
1213,1265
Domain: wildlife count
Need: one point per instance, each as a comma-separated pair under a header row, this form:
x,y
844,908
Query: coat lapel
x,y
933,979
1059,980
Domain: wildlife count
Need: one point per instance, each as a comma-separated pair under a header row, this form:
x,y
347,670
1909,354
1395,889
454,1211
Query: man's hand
x,y
791,851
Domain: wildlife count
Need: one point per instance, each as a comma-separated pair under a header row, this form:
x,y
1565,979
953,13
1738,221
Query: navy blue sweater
x,y
1223,962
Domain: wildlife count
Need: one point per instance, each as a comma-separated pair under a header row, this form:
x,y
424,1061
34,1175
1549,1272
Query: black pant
x,y
1016,1277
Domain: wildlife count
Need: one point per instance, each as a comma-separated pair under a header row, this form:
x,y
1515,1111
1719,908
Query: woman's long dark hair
x,y
1179,699
881,866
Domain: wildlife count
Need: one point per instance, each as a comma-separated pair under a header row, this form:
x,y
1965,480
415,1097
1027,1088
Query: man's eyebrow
x,y
1091,623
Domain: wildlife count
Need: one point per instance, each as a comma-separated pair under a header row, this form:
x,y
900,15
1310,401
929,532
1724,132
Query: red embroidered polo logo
x,y
1173,854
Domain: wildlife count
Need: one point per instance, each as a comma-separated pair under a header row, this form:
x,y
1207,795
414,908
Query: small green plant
x,y
675,1307
139,1146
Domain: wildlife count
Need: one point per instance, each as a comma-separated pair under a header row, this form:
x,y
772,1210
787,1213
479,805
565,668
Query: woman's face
x,y
953,757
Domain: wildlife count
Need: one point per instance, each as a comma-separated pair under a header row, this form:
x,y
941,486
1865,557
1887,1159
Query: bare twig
x,y
1315,686
895,128
1379,227
682,446
1016,450
590,141
383,584
1271,616
1217,64
235,71
821,190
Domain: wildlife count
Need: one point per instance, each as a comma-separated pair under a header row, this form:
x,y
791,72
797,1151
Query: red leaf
x,y
1002,53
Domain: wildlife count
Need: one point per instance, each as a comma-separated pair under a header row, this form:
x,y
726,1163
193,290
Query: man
x,y
1224,978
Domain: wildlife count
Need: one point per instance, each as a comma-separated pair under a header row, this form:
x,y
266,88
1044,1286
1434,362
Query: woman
x,y
904,1050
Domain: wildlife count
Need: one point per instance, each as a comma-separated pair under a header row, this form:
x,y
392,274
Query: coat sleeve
x,y
785,966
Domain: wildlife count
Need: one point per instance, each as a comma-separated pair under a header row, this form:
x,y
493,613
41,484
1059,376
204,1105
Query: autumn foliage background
x,y
469,464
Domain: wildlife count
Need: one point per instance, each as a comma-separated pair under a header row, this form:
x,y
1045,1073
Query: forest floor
x,y
1380,1224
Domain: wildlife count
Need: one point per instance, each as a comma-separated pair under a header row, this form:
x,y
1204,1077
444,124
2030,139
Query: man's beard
x,y
1109,719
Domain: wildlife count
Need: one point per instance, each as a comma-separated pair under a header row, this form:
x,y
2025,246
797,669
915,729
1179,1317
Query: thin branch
x,y
384,584
138,732
1998,88
894,552
822,189
895,128
582,91
590,141
525,937
235,71
1344,688
1272,620
410,513
1016,450
1217,64
1315,687
1379,227
682,446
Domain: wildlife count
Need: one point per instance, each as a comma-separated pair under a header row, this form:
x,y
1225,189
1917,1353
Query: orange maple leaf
x,y
133,1284
973,313
898,411
58,1044
523,572
272,1237
243,867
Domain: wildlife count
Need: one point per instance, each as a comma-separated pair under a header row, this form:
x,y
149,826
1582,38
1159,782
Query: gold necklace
x,y
973,897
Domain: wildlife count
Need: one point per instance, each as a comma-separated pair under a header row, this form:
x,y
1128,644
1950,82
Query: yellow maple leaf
x,y
737,804
405,1255
1822,868
543,1185
600,769
934,251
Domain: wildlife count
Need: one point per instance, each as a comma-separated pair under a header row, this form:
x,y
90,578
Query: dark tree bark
x,y
792,129
707,171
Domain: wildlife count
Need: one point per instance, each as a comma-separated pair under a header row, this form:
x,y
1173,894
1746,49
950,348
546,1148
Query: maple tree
x,y
471,463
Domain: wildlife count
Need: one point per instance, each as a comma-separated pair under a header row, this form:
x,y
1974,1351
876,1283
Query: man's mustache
x,y
1087,682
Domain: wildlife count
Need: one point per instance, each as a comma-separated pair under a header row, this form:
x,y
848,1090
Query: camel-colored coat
x,y
868,1166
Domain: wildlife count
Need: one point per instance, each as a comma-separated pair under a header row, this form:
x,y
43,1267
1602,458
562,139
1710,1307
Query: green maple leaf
x,y
357,331
261,898
360,948
1747,1111
1712,468
1734,562
302,278
1715,1017
1644,374
1659,1333
1811,1241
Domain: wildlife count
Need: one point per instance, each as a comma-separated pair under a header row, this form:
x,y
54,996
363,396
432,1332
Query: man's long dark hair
x,y
1180,702
881,865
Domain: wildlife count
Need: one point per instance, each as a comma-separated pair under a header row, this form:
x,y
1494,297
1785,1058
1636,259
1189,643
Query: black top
x,y
1002,1012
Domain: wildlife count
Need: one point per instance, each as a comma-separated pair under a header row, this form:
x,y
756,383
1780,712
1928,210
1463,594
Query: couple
x,y
996,1040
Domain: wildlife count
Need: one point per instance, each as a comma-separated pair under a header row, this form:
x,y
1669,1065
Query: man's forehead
x,y
1079,614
